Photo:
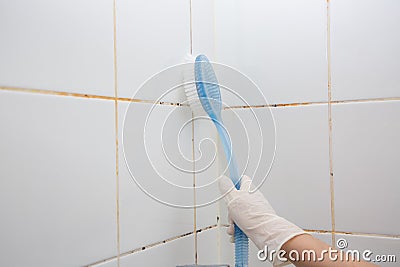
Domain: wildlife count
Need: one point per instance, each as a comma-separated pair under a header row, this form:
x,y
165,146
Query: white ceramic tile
x,y
151,36
297,185
62,46
365,154
238,89
58,180
151,217
281,45
206,152
364,40
325,237
173,253
208,252
377,245
203,27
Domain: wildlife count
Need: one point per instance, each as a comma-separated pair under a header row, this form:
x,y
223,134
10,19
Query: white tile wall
x,y
151,36
145,220
58,186
281,45
57,181
203,27
365,38
207,171
60,46
366,145
298,183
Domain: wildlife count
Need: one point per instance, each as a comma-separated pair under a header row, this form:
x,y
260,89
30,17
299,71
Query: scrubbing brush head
x,y
207,87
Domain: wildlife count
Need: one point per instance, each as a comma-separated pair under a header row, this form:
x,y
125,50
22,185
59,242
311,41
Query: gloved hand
x,y
255,216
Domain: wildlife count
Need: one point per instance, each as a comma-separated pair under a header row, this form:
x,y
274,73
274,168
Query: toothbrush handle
x,y
241,240
230,158
241,248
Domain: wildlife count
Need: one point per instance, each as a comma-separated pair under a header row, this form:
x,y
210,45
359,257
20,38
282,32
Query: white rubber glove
x,y
255,216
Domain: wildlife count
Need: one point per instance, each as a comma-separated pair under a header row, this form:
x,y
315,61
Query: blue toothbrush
x,y
207,92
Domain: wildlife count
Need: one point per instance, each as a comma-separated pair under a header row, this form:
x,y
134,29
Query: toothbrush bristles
x,y
189,86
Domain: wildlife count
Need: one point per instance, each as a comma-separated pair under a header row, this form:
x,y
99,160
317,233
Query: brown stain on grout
x,y
193,149
87,96
194,195
367,234
55,93
166,103
383,99
275,105
117,203
127,253
351,233
331,176
298,104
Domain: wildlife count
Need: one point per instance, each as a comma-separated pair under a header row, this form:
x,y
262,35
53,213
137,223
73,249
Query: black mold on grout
x,y
318,231
127,253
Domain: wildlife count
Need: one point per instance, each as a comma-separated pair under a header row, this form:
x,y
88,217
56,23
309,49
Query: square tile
x,y
151,36
365,162
364,42
377,245
295,176
298,185
61,46
280,45
156,191
58,202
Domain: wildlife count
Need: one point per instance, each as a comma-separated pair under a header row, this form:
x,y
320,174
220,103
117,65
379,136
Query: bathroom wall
x,y
92,117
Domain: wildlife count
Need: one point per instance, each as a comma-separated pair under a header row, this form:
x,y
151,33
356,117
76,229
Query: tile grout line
x,y
191,26
352,233
194,195
299,104
139,249
116,129
147,101
322,231
87,96
331,177
193,151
